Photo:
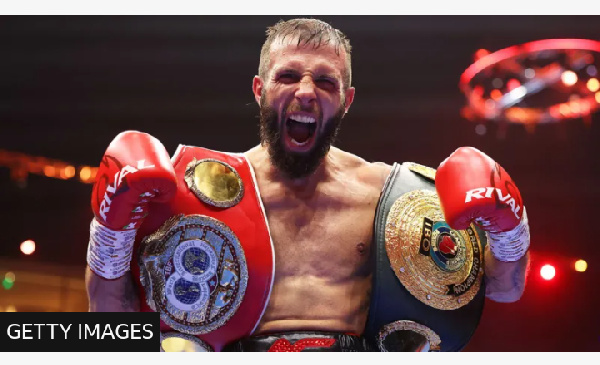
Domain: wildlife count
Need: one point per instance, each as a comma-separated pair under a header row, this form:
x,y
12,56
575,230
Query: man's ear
x,y
257,87
349,97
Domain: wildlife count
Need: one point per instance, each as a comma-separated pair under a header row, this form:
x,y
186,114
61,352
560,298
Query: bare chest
x,y
325,235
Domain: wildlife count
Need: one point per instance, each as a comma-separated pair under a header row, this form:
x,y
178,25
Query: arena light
x,y
10,276
512,84
21,165
9,280
480,129
546,71
28,247
496,94
94,172
481,53
529,73
580,265
487,59
69,171
7,284
593,85
49,170
547,272
87,174
568,78
84,173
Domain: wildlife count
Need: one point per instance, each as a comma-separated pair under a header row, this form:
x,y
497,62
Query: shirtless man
x,y
320,202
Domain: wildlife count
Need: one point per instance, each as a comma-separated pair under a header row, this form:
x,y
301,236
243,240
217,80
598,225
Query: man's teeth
x,y
303,119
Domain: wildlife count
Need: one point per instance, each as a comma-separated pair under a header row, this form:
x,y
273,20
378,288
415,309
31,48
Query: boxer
x,y
309,268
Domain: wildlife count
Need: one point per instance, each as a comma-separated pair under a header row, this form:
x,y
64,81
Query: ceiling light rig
x,y
545,81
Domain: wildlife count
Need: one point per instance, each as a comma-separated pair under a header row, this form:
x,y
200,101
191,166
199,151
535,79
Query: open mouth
x,y
300,131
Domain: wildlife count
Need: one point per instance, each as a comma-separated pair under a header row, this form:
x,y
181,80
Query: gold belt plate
x,y
214,182
439,266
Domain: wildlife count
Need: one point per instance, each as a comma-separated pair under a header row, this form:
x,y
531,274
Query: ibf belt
x,y
206,260
427,277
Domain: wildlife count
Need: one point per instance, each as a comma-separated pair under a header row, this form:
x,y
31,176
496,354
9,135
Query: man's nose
x,y
306,92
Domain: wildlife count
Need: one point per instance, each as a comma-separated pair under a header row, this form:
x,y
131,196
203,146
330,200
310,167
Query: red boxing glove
x,y
135,169
474,188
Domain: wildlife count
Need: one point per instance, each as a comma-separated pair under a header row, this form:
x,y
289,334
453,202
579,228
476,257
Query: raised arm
x,y
505,281
118,295
473,188
135,170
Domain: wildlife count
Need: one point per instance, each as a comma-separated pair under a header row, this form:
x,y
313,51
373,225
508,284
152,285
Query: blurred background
x,y
70,84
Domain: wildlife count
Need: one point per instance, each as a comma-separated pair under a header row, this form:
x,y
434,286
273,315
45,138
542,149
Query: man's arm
x,y
505,281
117,295
135,170
474,189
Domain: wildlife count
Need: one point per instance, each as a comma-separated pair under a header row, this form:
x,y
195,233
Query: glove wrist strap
x,y
109,252
511,245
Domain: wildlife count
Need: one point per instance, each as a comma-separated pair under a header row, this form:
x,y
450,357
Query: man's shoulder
x,y
372,173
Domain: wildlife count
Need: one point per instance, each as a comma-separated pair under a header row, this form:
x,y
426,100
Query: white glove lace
x,y
109,252
511,245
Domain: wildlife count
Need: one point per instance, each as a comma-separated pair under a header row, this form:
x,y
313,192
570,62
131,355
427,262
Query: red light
x,y
512,84
548,272
480,53
496,94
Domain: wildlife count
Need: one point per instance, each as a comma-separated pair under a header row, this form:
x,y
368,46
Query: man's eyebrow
x,y
320,73
327,71
328,75
285,69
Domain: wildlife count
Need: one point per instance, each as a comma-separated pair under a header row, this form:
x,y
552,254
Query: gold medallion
x,y
439,266
214,182
174,341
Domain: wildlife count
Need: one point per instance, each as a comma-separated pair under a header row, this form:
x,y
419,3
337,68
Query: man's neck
x,y
308,182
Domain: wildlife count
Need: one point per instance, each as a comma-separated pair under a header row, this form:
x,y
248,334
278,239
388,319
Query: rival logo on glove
x,y
105,205
508,199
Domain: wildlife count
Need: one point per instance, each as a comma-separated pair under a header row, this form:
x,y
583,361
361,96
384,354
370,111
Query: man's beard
x,y
296,165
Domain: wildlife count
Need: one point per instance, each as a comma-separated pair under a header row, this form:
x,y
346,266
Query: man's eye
x,y
326,84
287,78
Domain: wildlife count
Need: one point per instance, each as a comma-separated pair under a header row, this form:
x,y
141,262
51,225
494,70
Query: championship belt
x,y
205,260
428,278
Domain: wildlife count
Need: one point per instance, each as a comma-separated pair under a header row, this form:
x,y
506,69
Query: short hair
x,y
308,31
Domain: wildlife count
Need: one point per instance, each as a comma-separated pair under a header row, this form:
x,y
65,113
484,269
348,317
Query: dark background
x,y
68,85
